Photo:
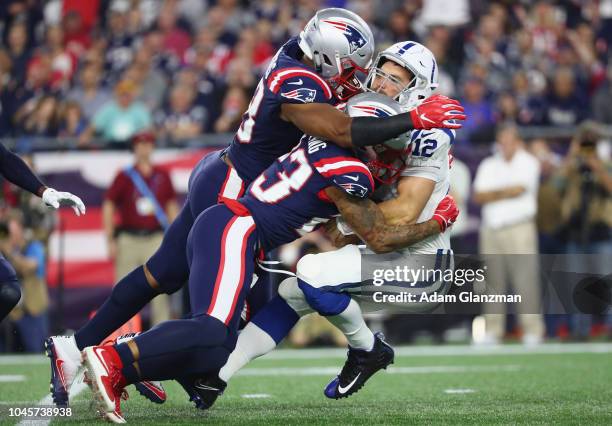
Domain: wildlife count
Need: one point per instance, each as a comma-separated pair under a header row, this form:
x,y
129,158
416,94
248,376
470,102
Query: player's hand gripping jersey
x,y
263,135
288,199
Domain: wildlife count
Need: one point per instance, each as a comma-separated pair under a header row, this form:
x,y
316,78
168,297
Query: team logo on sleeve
x,y
355,39
302,94
355,189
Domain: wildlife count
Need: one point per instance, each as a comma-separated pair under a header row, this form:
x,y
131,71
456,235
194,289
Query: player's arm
x,y
368,221
413,192
16,171
326,122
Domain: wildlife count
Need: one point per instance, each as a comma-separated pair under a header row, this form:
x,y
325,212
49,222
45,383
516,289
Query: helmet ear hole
x,y
326,59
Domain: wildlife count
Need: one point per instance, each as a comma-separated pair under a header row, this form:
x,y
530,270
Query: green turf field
x,y
563,384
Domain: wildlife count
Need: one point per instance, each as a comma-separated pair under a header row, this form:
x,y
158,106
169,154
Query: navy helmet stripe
x,y
405,47
433,70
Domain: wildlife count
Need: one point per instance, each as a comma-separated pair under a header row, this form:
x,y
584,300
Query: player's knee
x,y
211,331
293,295
326,303
310,268
10,293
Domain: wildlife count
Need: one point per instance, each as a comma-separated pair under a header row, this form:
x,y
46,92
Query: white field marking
x,y
459,391
327,371
76,389
256,395
5,378
450,350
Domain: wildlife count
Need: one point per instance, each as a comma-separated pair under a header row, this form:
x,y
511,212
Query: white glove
x,y
55,199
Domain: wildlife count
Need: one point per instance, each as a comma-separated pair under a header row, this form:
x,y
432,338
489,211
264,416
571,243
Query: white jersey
x,y
429,160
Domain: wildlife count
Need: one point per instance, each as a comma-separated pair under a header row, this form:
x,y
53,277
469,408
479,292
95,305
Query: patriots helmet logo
x,y
373,110
355,189
355,39
302,94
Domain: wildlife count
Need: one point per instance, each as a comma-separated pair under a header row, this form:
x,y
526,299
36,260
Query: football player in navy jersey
x,y
16,171
308,76
305,187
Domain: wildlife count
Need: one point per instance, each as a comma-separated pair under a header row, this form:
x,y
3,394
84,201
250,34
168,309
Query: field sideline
x,y
551,384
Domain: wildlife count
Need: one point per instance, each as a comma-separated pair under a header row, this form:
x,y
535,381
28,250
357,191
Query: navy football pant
x,y
209,179
10,292
221,251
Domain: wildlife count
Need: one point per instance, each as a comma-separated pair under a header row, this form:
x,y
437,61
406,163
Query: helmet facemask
x,y
386,167
410,95
345,83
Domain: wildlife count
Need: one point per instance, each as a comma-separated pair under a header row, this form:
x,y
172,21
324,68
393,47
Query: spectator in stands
x,y
565,103
175,39
90,94
145,201
121,118
63,62
119,41
506,185
531,107
234,105
42,121
27,256
182,119
71,122
601,105
478,128
153,82
18,51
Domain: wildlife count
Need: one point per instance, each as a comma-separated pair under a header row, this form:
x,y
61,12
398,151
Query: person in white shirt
x,y
506,185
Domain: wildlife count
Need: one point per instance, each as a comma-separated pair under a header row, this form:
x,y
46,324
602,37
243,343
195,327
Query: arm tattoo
x,y
367,220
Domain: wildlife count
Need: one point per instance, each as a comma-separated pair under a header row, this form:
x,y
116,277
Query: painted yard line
x,y
459,391
256,395
406,351
330,371
76,389
6,378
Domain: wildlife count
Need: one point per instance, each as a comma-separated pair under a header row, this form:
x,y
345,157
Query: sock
x,y
252,342
351,323
271,325
128,297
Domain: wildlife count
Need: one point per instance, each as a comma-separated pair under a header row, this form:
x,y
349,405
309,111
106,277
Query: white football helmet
x,y
417,59
388,159
339,43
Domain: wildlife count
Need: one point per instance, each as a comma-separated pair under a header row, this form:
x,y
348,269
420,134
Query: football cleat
x,y
103,374
150,389
203,391
359,367
65,363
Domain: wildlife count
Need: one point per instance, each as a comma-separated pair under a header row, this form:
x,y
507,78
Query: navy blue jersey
x,y
263,136
288,199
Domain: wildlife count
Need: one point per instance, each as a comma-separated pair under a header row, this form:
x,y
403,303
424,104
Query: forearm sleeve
x,y
374,131
16,171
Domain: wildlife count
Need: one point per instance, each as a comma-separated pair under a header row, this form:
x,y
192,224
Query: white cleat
x,y
65,363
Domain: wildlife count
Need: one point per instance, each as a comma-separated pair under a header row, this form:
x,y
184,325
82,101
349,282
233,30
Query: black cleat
x,y
359,367
203,391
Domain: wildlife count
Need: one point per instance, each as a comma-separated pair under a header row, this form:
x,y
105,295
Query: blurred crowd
x,y
110,68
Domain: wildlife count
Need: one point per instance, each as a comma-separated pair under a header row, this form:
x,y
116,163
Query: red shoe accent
x,y
114,382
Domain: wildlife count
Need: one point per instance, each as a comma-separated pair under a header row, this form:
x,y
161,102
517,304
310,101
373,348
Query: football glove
x,y
55,199
437,112
446,213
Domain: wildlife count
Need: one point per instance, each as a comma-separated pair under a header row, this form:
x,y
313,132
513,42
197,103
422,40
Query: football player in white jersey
x,y
414,181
